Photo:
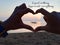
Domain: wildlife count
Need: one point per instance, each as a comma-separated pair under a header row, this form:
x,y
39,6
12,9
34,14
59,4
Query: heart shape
x,y
24,10
33,20
27,10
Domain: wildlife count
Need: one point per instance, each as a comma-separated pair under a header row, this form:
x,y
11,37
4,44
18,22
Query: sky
x,y
7,7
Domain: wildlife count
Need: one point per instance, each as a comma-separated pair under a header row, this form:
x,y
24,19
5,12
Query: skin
x,y
15,21
52,20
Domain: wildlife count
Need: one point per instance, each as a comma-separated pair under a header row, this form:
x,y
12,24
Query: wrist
x,y
3,32
5,25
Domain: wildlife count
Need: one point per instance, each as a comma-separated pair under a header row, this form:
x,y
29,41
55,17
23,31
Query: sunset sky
x,y
8,6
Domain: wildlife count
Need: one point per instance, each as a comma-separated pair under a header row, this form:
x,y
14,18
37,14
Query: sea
x,y
33,24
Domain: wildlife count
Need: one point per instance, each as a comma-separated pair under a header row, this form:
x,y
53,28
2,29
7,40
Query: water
x,y
34,25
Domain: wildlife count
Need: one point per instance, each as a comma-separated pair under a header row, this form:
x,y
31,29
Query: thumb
x,y
40,28
28,27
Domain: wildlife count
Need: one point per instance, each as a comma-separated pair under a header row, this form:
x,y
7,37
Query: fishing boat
x,y
34,22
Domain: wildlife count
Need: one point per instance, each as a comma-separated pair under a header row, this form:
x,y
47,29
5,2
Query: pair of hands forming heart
x,y
15,21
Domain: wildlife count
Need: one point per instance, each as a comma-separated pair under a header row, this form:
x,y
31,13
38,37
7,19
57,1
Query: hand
x,y
15,22
52,20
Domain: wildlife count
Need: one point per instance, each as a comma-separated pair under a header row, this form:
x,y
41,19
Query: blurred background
x,y
7,7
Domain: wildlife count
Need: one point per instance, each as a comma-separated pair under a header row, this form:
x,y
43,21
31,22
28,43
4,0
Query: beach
x,y
30,38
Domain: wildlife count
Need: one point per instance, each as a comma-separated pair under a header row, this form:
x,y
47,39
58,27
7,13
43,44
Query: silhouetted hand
x,y
52,20
15,22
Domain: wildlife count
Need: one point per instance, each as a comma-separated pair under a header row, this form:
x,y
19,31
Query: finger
x,y
40,28
55,13
30,10
23,6
22,12
27,27
26,11
43,11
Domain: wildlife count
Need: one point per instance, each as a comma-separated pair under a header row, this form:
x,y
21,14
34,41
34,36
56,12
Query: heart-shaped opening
x,y
33,20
